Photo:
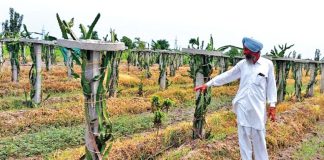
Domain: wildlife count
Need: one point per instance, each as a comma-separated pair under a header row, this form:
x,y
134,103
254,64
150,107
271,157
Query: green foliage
x,y
279,65
316,66
194,42
296,67
163,63
158,105
313,147
130,124
202,102
283,48
317,55
128,42
200,64
25,33
155,102
140,89
186,59
210,45
139,44
197,42
160,44
14,47
233,52
90,33
167,103
48,37
32,73
157,111
113,35
41,143
66,27
11,29
104,123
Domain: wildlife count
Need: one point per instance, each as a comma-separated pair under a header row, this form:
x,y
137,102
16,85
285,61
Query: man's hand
x,y
272,113
201,88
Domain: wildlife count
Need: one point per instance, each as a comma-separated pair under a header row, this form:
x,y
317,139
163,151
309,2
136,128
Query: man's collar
x,y
259,60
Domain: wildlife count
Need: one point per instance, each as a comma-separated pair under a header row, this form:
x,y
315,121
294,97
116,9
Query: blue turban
x,y
252,44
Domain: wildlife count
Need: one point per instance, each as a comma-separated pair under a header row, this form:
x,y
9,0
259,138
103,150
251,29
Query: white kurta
x,y
257,86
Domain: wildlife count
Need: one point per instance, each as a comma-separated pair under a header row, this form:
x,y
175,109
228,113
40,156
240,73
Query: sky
x,y
271,22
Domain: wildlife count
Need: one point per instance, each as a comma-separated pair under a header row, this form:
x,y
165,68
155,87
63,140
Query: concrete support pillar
x,y
38,83
298,81
322,78
163,75
311,84
281,81
1,56
69,63
91,131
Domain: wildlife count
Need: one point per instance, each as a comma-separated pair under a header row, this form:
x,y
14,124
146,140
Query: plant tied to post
x,y
297,76
114,64
32,74
200,71
314,69
49,56
11,30
97,140
163,62
281,69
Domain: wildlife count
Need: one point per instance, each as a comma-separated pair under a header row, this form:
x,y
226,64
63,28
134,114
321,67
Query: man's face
x,y
250,56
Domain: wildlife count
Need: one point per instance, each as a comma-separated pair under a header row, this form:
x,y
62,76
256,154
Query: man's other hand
x,y
272,113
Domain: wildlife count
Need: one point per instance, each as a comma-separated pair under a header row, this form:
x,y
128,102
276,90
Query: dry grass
x,y
23,121
53,81
294,120
143,145
291,126
63,112
128,80
68,154
119,106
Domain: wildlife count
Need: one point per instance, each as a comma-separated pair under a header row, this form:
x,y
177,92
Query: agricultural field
x,y
54,129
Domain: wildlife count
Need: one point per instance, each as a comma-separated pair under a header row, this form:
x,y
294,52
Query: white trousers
x,y
252,140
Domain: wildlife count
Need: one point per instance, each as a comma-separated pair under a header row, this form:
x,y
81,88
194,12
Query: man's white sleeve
x,y
226,77
271,87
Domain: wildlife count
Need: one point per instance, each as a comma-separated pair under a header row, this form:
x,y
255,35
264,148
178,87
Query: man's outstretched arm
x,y
224,78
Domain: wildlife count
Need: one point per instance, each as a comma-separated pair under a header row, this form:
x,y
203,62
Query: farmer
x,y
257,86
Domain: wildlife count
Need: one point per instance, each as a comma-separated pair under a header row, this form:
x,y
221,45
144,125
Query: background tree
x,y
128,42
193,42
233,52
11,29
160,44
210,45
139,44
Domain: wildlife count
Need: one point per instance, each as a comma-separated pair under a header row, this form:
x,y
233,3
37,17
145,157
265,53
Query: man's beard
x,y
249,58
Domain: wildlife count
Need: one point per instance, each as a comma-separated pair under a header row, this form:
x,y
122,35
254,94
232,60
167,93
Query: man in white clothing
x,y
257,86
